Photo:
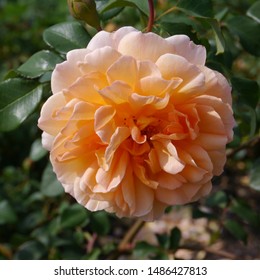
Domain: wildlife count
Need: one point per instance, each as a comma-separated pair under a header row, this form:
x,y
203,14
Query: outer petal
x,y
66,73
46,121
183,46
103,38
147,46
175,66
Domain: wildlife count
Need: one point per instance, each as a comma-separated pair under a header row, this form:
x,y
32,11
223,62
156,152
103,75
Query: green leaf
x,y
12,89
175,238
219,39
245,212
247,119
111,13
37,151
17,103
32,220
100,222
73,216
93,255
50,186
173,28
31,250
248,32
144,250
163,240
236,230
66,36
218,199
202,7
7,214
255,176
39,63
254,11
248,90
202,11
141,5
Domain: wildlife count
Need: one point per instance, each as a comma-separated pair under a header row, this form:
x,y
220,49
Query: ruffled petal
x,y
183,46
66,73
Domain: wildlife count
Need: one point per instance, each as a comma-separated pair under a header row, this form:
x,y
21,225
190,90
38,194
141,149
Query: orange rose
x,y
136,123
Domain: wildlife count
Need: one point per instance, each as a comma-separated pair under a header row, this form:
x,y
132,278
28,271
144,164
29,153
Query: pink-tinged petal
x,y
210,120
210,141
128,189
138,101
218,159
67,171
223,109
168,157
144,198
47,140
104,122
83,111
179,196
169,181
86,88
88,180
46,121
118,92
96,205
157,86
147,68
156,212
144,46
120,135
141,173
110,179
153,162
99,60
103,38
224,89
216,85
124,69
194,155
203,191
122,207
193,174
66,73
183,46
175,66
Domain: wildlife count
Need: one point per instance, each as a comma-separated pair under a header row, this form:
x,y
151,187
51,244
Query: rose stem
x,y
130,234
151,16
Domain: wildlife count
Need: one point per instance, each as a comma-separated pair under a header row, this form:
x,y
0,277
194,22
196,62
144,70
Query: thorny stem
x,y
151,16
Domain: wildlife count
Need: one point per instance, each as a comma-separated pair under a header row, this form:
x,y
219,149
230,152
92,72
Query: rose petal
x,y
183,46
66,73
124,69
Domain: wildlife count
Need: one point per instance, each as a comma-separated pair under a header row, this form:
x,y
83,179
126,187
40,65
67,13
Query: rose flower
x,y
136,123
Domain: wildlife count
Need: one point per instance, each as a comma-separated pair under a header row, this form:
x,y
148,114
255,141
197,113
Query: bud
x,y
85,10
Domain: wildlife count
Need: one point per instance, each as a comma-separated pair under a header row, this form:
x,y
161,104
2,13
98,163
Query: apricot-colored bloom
x,y
136,123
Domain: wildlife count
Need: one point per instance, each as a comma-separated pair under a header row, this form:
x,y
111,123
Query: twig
x,y
251,142
167,12
209,250
130,234
151,16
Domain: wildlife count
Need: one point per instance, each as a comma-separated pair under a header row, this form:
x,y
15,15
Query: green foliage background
x,y
37,219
